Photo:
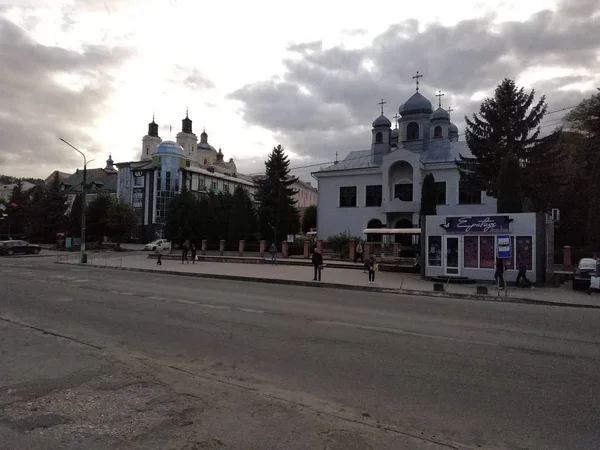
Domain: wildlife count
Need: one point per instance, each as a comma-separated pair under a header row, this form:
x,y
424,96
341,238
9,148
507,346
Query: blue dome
x,y
170,148
453,128
382,121
440,114
417,104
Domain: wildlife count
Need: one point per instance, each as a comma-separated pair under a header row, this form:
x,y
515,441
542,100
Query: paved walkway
x,y
334,277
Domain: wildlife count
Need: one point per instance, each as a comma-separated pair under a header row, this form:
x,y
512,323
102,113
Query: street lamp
x,y
83,258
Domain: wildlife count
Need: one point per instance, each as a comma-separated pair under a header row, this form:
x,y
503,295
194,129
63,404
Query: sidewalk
x,y
402,283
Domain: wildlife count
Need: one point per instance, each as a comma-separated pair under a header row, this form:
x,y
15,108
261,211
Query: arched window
x,y
412,131
147,150
379,137
437,132
404,239
374,223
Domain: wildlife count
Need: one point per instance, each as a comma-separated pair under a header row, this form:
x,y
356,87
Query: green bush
x,y
340,244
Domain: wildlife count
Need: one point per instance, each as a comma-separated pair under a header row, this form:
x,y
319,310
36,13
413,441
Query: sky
x,y
308,76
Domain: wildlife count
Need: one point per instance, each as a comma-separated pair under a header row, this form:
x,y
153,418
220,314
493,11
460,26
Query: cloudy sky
x,y
256,74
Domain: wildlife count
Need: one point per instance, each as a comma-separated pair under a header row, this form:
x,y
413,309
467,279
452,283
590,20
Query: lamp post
x,y
83,256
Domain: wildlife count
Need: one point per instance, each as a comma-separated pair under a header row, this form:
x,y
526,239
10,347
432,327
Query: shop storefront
x,y
467,246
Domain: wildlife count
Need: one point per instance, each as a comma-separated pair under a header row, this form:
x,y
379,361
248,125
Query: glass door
x,y
452,259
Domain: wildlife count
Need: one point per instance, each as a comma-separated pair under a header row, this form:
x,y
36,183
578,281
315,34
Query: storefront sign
x,y
503,247
477,224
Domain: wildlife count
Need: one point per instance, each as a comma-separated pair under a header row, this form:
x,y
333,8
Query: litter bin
x,y
84,258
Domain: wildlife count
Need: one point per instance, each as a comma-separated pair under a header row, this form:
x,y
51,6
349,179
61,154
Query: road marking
x,y
204,305
153,297
249,310
126,293
64,299
81,280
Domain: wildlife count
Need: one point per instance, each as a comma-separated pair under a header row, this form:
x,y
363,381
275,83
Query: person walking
x,y
317,261
193,251
499,274
522,274
371,267
159,253
184,253
358,254
273,251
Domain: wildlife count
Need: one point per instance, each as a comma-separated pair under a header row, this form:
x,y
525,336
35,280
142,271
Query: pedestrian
x,y
273,251
499,274
317,261
184,253
359,253
371,267
522,274
193,251
159,253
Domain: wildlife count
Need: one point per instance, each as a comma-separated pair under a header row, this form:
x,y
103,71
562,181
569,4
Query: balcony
x,y
398,206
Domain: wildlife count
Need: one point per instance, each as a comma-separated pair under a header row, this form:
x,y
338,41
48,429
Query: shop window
x,y
468,194
403,192
373,195
487,254
440,192
434,251
524,251
347,196
471,252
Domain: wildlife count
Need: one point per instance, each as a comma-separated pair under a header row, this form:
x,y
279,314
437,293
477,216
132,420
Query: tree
x,y
309,220
509,186
75,216
242,223
179,223
428,196
96,217
508,122
277,212
121,221
54,207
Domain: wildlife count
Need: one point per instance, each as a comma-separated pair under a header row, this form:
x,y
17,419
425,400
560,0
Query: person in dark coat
x,y
499,274
193,251
371,268
317,261
522,274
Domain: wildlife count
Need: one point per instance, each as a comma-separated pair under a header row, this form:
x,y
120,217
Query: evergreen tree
x,y
508,122
242,224
54,206
509,186
96,217
75,216
179,223
16,213
309,220
277,212
428,196
121,221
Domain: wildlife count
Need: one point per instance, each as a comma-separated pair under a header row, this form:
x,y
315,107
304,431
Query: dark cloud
x,y
328,97
36,109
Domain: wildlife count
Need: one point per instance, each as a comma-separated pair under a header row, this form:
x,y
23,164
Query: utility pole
x,y
83,255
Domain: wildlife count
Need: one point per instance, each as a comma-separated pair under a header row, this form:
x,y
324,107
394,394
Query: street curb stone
x,y
348,287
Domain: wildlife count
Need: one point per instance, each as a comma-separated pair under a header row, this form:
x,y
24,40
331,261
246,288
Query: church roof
x,y
440,114
169,147
417,104
360,159
382,121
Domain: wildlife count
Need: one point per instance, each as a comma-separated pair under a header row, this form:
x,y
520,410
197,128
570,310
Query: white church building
x,y
381,187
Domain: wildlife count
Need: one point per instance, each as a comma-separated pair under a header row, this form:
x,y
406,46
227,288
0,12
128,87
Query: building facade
x,y
6,190
381,187
149,184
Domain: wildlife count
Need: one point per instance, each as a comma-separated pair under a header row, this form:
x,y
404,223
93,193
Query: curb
x,y
347,287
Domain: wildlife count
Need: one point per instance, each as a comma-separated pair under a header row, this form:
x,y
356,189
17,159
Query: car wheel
x,y
10,252
153,249
36,251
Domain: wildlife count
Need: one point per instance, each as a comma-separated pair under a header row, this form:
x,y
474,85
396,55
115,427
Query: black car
x,y
585,269
12,247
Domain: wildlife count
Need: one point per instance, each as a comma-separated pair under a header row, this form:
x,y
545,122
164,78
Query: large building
x,y
164,166
381,186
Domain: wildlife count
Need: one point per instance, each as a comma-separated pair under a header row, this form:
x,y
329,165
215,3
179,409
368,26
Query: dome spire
x,y
153,128
186,124
417,76
439,95
381,103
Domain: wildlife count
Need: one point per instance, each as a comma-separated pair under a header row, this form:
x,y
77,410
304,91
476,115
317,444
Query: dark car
x,y
12,247
581,277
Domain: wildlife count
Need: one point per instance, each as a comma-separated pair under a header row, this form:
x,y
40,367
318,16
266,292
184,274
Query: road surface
x,y
381,371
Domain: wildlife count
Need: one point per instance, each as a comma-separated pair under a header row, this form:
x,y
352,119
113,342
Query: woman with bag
x,y
372,267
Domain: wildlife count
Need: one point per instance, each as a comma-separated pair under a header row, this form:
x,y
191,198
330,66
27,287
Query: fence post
x,y
285,252
368,249
263,245
396,249
567,257
204,247
306,249
222,247
241,247
352,250
320,246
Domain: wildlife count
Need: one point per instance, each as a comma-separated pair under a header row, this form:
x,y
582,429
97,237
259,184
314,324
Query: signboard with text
x,y
503,248
477,224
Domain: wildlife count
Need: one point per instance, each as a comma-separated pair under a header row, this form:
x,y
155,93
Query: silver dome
x,y
440,114
417,104
170,148
382,121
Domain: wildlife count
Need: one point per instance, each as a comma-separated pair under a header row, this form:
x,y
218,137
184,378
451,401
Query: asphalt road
x,y
479,374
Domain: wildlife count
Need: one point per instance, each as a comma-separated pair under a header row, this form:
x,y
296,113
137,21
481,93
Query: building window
x,y
440,192
524,251
412,131
147,150
374,195
226,187
347,196
437,132
468,194
404,192
434,251
138,181
213,185
379,137
471,252
487,254
200,183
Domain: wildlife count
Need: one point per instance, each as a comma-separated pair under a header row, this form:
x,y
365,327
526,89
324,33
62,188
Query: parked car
x,y
581,276
151,246
12,247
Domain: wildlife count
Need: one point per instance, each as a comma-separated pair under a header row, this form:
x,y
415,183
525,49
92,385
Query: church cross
x,y
416,77
439,95
450,110
396,117
382,103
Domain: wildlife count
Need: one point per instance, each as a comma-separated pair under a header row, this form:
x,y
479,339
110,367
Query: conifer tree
x,y
428,196
509,187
